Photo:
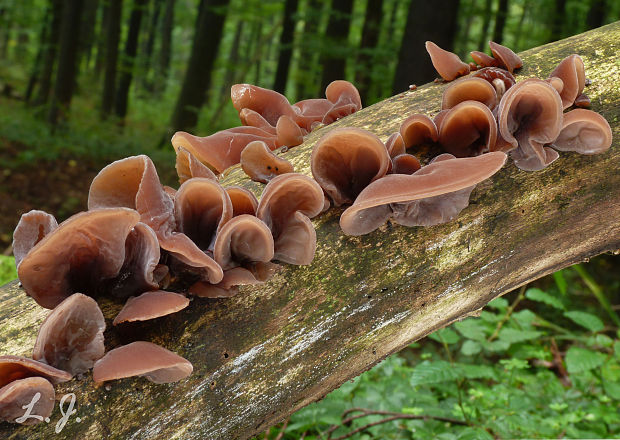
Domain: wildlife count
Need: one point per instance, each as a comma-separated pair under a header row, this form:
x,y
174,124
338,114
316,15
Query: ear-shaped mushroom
x,y
202,208
254,119
434,194
469,89
585,132
84,250
484,60
507,57
310,112
18,367
151,305
287,203
468,129
142,359
500,79
188,166
288,132
405,164
447,64
572,73
418,130
346,160
529,116
243,201
17,395
71,337
395,145
31,228
268,103
345,98
256,273
260,164
583,101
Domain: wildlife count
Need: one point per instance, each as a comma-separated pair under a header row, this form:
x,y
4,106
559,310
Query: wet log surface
x,y
272,349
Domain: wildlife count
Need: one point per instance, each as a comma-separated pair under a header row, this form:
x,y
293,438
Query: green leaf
x,y
472,329
499,304
586,320
471,371
470,348
470,433
581,359
434,372
611,380
513,335
560,281
446,335
514,364
617,349
538,295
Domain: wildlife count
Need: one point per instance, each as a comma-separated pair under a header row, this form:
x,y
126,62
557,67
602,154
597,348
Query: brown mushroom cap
x,y
250,117
418,130
288,132
71,337
188,166
396,195
345,98
447,64
529,116
18,367
571,71
499,78
268,103
466,89
151,305
506,56
17,395
287,203
142,359
31,228
405,164
346,160
260,164
255,273
585,132
243,201
244,239
468,129
395,145
84,250
483,59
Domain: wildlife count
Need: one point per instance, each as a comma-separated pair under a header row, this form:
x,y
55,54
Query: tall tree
x,y
558,18
500,21
149,45
306,72
286,45
36,68
368,44
207,37
67,61
435,21
128,60
167,25
113,35
596,14
486,21
87,30
49,54
102,39
334,53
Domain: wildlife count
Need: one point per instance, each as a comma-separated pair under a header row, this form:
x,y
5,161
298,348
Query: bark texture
x,y
272,349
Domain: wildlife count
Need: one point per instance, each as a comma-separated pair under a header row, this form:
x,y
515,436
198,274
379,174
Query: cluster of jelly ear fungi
x,y
139,237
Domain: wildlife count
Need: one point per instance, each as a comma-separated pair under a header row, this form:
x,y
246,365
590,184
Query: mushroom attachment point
x,y
19,394
151,305
19,367
447,64
571,71
260,164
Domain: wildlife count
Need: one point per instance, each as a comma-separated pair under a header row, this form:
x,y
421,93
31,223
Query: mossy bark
x,y
272,349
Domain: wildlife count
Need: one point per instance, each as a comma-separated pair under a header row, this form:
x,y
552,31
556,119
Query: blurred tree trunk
x,y
36,68
500,21
435,21
306,68
87,31
259,49
166,43
462,43
128,60
488,12
4,31
596,14
66,72
334,50
286,45
368,44
102,39
49,55
558,18
519,32
113,35
148,46
207,37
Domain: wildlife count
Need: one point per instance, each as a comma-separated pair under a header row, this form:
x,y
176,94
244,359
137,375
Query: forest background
x,y
86,82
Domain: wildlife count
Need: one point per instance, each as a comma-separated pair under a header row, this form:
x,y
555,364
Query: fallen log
x,y
272,349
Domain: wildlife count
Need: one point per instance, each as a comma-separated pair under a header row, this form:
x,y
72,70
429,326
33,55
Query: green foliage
x,y
7,269
552,371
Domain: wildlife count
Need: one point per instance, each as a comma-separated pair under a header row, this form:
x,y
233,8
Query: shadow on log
x,y
272,349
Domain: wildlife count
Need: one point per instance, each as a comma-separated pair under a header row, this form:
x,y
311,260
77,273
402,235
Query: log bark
x,y
272,349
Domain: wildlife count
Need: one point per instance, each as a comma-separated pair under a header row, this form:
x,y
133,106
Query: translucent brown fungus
x,y
288,132
71,337
142,359
418,129
151,305
483,60
20,394
507,58
243,201
405,164
188,166
261,165
468,129
447,64
18,367
31,228
268,103
469,89
346,160
571,71
395,145
500,79
584,131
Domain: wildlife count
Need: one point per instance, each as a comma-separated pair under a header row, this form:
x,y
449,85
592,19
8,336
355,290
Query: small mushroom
x,y
31,228
583,101
483,60
261,165
572,72
151,305
345,98
585,132
395,145
468,129
268,103
405,164
243,201
288,132
508,59
71,337
418,130
500,79
233,278
142,359
250,117
18,367
188,166
19,394
435,194
346,160
466,89
447,64
286,206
